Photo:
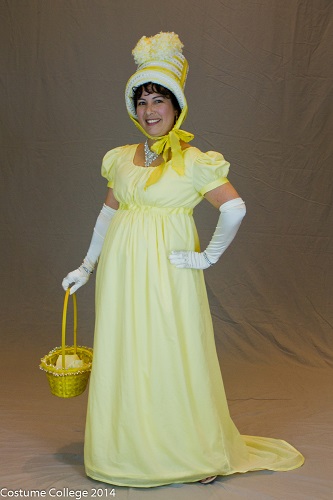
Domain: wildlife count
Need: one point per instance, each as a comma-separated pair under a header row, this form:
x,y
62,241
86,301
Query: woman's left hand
x,y
231,215
190,260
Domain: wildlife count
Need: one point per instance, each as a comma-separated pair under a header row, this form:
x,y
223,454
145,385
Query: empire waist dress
x,y
157,410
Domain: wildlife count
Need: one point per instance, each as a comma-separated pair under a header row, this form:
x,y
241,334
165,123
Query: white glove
x,y
81,275
232,213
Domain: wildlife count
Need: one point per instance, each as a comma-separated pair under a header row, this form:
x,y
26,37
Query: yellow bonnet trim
x,y
171,70
184,73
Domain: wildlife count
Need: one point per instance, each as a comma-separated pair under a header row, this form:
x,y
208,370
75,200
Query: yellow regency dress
x,y
157,411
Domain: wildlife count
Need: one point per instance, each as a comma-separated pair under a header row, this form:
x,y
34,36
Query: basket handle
x,y
63,330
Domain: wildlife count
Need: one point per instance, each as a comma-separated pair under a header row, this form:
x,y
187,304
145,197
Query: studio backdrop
x,y
259,91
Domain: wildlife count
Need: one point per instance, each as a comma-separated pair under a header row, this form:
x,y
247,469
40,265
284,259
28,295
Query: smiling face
x,y
156,113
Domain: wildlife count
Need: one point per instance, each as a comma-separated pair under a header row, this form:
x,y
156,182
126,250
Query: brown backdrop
x,y
259,91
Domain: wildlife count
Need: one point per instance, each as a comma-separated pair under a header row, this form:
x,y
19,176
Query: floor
x,y
42,435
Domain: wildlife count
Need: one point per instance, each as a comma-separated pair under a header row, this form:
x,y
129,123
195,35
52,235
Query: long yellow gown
x,y
157,411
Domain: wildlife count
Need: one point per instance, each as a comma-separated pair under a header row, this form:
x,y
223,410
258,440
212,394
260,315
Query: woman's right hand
x,y
79,277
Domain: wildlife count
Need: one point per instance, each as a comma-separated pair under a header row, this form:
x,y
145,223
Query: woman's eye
x,y
141,103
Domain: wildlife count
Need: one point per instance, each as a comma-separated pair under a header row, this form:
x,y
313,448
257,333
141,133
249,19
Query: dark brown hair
x,y
151,88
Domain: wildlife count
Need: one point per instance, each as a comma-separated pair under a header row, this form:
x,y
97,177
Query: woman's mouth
x,y
152,121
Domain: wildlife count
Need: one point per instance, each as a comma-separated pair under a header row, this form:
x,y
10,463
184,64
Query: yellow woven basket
x,y
67,382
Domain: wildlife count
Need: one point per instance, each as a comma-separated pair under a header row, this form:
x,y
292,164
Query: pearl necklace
x,y
150,155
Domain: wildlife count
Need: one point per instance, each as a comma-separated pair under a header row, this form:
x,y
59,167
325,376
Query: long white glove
x,y
231,216
81,275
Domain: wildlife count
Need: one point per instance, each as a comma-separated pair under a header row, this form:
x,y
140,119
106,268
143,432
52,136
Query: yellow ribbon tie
x,y
171,141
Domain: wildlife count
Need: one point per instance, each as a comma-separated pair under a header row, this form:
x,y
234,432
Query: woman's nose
x,y
149,108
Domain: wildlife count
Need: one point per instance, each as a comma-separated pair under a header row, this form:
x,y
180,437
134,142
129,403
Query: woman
x,y
157,412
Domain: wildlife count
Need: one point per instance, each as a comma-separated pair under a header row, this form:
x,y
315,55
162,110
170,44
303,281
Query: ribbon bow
x,y
168,142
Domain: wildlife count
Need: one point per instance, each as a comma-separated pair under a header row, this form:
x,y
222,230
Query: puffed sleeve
x,y
109,164
210,170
